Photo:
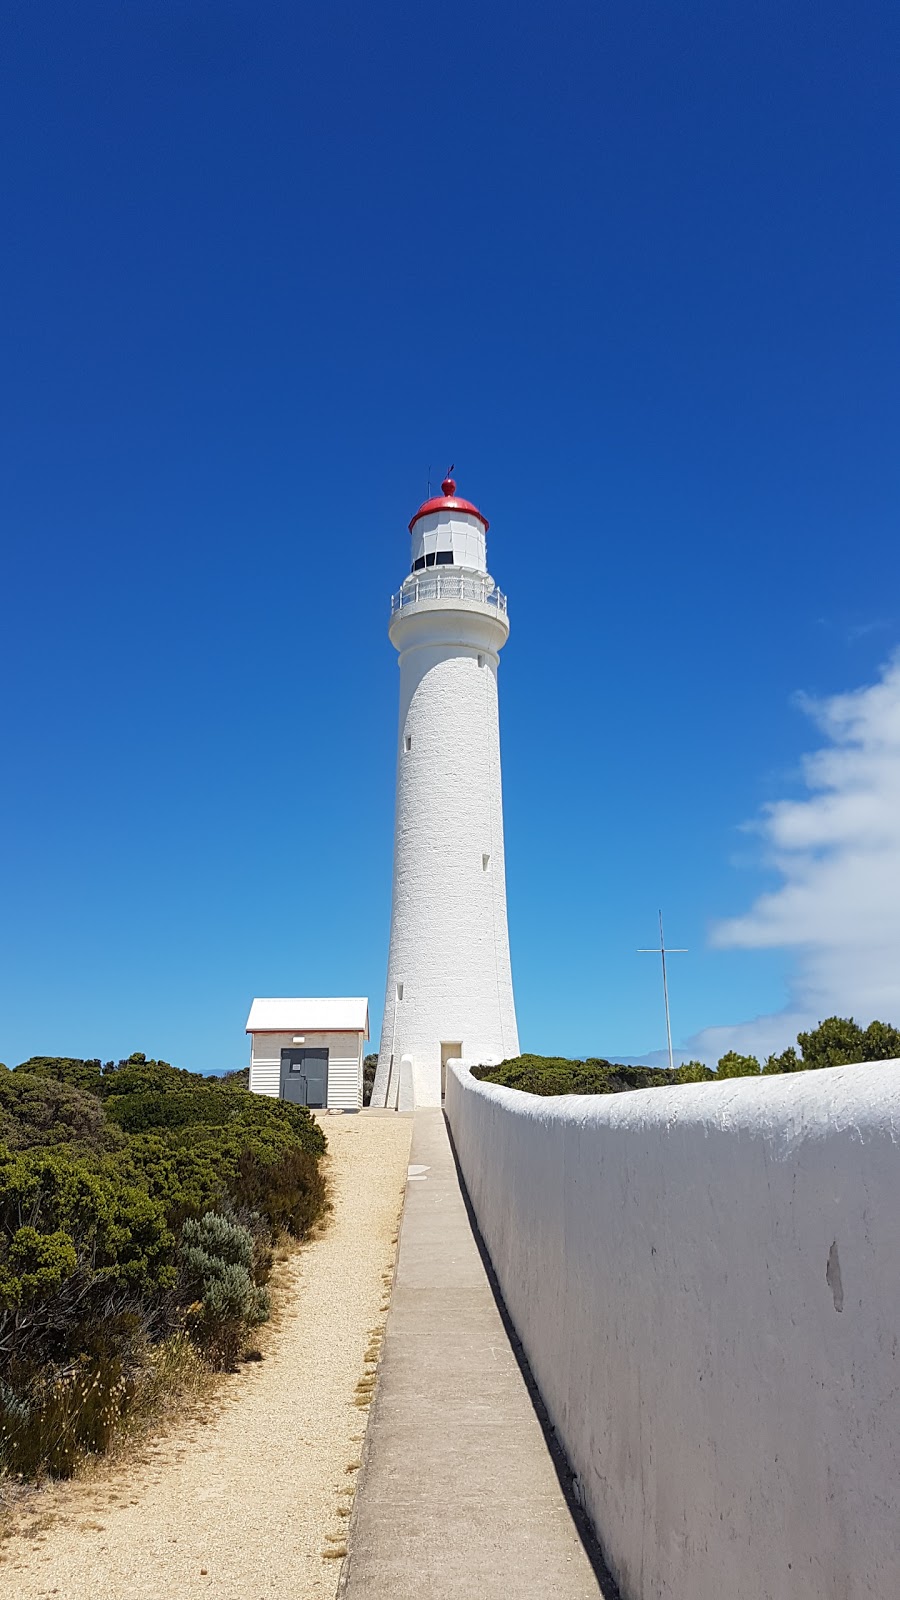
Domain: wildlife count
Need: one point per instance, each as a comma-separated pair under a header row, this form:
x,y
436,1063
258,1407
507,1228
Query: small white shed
x,y
309,1051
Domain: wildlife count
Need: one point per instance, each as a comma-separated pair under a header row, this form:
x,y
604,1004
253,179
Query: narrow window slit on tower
x,y
407,743
399,991
481,661
485,862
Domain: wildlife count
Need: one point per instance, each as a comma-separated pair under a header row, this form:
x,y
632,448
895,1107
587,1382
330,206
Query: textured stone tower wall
x,y
449,950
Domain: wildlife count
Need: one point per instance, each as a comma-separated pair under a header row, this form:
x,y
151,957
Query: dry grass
x,y
172,1385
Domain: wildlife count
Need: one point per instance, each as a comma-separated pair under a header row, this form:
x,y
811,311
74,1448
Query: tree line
x,y
836,1042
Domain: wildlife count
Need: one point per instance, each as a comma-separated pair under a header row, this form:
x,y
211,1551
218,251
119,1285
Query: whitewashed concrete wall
x,y
706,1281
345,1058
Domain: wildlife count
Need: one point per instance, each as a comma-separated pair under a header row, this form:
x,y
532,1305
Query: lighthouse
x,y
449,982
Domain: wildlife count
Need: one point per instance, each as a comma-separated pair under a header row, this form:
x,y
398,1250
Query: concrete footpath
x,y
459,1494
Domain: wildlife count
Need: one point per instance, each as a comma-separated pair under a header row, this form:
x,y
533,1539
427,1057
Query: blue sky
x,y
633,267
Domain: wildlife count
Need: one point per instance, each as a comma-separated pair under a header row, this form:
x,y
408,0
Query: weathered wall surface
x,y
706,1281
449,945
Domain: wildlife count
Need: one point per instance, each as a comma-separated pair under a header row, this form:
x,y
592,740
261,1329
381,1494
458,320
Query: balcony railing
x,y
448,586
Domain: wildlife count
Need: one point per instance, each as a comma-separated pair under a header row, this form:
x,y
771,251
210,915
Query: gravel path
x,y
242,1505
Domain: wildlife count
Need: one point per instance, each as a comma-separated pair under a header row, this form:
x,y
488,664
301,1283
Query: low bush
x,y
556,1075
80,1074
139,1204
217,1277
205,1168
732,1065
370,1067
236,1080
141,1110
36,1109
692,1072
841,1042
67,1220
838,1041
287,1188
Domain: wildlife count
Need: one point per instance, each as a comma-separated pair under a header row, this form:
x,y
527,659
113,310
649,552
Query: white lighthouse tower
x,y
449,983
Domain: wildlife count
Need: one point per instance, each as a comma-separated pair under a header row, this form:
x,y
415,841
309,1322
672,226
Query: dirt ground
x,y
249,1497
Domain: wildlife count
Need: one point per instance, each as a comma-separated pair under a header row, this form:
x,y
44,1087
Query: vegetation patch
x,y
139,1210
370,1066
836,1042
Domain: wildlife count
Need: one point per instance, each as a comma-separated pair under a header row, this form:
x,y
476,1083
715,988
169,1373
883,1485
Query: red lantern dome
x,y
448,500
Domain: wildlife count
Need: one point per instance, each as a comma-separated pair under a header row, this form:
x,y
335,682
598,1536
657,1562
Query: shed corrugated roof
x,y
310,1016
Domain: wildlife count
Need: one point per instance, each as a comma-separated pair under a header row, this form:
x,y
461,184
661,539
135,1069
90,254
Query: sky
x,y
632,267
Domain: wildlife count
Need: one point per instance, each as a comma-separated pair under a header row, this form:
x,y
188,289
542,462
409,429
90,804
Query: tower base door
x,y
304,1077
449,1052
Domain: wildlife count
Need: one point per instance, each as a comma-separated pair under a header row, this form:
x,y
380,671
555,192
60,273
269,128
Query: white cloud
x,y
838,852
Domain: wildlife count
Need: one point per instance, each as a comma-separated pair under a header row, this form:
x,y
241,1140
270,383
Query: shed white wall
x,y
706,1281
449,946
345,1069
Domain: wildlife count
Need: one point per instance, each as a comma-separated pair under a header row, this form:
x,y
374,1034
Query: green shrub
x,y
287,1189
841,1042
733,1065
113,1228
216,1266
549,1075
198,1168
838,1041
65,1069
146,1110
881,1042
788,1061
86,1264
693,1072
102,1169
370,1066
37,1109
186,1178
36,1265
138,1075
235,1080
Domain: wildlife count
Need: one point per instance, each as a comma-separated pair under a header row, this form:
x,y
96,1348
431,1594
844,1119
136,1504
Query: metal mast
x,y
674,950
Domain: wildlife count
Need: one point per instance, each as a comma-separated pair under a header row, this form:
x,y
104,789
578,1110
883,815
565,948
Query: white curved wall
x,y
706,1281
449,946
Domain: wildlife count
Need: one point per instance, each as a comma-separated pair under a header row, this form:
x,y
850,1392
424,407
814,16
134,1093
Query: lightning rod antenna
x,y
661,950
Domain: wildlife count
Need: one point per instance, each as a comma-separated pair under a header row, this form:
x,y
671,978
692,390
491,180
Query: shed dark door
x,y
304,1077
